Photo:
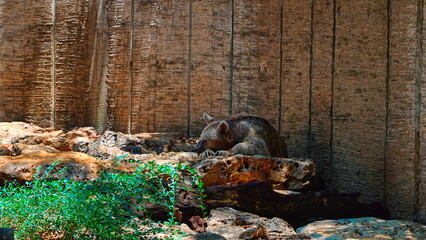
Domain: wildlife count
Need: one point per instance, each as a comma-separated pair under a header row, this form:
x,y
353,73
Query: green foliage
x,y
49,208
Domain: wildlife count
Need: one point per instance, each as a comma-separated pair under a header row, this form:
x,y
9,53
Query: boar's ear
x,y
208,118
223,127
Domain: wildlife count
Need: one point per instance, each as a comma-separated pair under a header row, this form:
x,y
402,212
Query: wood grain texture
x,y
118,78
359,97
257,59
145,38
97,27
39,63
210,75
13,39
71,63
400,182
321,86
163,68
422,151
296,76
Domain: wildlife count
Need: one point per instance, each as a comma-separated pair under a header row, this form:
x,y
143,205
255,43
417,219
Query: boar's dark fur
x,y
243,135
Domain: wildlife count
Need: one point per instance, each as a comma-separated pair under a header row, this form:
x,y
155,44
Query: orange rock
x,y
239,169
80,166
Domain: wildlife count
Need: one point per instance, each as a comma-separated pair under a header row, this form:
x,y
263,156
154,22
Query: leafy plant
x,y
58,208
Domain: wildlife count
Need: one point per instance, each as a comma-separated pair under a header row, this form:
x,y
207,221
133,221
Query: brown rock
x,y
6,150
228,223
22,168
12,132
284,173
364,228
23,149
298,209
29,134
198,224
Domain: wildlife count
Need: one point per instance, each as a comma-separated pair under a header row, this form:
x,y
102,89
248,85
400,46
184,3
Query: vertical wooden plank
x,y
296,75
210,61
360,97
422,150
321,83
145,38
72,63
401,154
118,79
257,59
97,27
39,63
13,24
160,74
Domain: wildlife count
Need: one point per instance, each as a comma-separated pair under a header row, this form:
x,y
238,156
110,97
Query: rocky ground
x,y
248,197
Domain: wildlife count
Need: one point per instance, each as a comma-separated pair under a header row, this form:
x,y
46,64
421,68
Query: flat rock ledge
x,y
364,228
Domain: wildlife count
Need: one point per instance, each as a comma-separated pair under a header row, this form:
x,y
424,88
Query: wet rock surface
x,y
364,228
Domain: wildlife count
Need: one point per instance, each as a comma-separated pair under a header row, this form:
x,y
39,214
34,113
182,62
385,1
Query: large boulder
x,y
30,134
286,174
228,223
12,132
364,228
298,208
79,166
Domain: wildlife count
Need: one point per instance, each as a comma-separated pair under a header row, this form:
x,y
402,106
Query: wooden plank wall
x,y
405,66
12,60
360,71
343,81
71,63
210,61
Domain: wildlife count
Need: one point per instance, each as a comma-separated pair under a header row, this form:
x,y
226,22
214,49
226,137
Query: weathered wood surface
x,y
358,121
97,25
12,60
256,59
401,186
321,86
118,78
422,131
210,61
38,68
71,63
160,79
296,75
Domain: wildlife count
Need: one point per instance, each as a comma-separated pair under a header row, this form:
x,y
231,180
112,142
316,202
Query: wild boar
x,y
243,135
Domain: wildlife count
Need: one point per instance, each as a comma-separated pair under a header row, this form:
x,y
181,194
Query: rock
x,y
228,223
22,149
198,224
12,132
183,145
79,166
29,134
364,228
6,150
204,236
239,169
298,209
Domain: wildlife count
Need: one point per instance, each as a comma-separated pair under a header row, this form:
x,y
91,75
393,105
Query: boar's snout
x,y
200,147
